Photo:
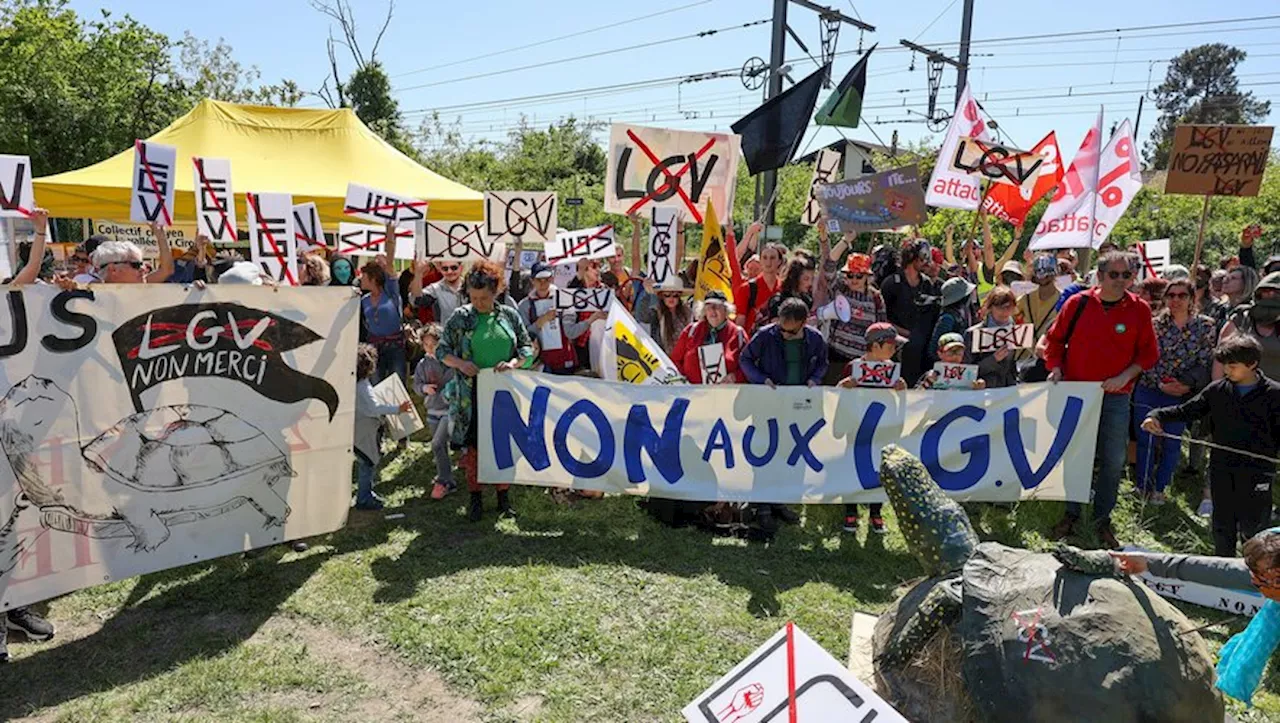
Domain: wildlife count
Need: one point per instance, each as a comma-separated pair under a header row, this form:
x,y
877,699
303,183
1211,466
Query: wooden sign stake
x,y
1204,216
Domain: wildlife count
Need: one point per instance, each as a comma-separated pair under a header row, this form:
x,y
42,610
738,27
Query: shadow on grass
x,y
170,618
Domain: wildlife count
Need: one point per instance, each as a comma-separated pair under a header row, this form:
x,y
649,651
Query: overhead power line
x,y
1078,33
597,54
548,41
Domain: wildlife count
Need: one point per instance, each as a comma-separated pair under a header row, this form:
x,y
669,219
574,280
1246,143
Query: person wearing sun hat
x,y
956,316
713,327
846,340
666,312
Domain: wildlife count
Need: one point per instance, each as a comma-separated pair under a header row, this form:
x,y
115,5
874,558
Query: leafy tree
x,y
1201,87
369,93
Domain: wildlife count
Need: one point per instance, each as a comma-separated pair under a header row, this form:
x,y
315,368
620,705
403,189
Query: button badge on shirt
x,y
1120,328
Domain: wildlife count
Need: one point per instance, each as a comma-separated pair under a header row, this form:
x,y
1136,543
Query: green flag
x,y
844,106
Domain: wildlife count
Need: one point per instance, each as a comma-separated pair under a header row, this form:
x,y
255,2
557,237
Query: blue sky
x,y
1030,86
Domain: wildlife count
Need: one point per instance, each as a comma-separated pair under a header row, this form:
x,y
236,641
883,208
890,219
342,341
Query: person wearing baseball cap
x,y
1038,308
883,341
951,350
552,330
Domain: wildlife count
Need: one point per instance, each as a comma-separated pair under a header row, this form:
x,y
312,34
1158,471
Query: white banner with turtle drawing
x,y
743,443
148,427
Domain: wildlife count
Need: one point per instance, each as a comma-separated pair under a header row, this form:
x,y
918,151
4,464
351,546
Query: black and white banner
x,y
148,427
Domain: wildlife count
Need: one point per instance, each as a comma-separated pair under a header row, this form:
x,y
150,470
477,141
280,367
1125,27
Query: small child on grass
x,y
369,415
429,379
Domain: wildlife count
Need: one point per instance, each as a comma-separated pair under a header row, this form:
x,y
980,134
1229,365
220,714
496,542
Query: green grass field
x,y
582,612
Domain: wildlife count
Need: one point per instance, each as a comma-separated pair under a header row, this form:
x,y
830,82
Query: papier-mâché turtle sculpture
x,y
1033,640
157,468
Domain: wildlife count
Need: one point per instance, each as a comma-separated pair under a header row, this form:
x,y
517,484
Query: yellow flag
x,y
714,271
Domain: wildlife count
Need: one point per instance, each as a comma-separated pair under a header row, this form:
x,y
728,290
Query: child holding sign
x,y
951,372
882,343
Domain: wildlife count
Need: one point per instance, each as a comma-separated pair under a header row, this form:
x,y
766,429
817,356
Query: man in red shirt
x,y
1104,334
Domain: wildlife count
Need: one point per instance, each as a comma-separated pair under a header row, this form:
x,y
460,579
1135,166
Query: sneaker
x,y
35,627
1108,536
850,523
786,514
764,519
504,506
440,489
1205,509
475,509
1064,528
373,504
877,526
1157,499
299,546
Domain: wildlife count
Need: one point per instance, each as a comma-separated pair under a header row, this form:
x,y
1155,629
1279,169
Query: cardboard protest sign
x,y
458,241
176,427
790,677
875,373
985,339
153,187
307,229
670,168
587,243
583,299
949,188
711,360
629,354
549,335
272,244
869,203
391,391
661,253
514,216
1219,160
215,201
1154,255
17,199
954,376
996,162
557,431
826,170
371,204
1012,204
359,239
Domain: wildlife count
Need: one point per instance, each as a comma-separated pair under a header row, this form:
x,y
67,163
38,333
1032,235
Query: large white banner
x,y
673,169
787,445
148,427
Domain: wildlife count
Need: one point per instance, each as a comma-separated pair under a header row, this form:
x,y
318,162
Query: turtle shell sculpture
x,y
1004,634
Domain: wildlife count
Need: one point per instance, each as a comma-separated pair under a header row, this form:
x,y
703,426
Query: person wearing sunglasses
x,y
1186,341
440,297
1104,335
847,340
120,262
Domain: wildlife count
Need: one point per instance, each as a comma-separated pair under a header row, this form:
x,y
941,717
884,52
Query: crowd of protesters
x,y
1181,347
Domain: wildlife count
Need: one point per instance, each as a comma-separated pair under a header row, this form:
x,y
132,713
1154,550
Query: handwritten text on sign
x,y
151,198
307,228
670,168
826,170
868,203
996,162
711,358
359,239
867,373
787,445
457,241
215,201
16,197
515,216
1019,336
272,244
587,243
1218,160
382,207
597,299
663,227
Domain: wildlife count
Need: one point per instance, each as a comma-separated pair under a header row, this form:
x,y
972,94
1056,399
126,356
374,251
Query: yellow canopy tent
x,y
312,154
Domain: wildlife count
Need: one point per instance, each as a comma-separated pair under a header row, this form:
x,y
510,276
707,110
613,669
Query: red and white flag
x,y
1119,180
1011,204
1068,222
954,189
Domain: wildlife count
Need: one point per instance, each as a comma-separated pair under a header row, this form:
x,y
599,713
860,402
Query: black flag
x,y
224,340
772,132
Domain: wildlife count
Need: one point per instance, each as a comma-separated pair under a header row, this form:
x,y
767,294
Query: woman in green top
x,y
479,335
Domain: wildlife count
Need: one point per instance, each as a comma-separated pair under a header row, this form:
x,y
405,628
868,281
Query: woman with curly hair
x,y
480,335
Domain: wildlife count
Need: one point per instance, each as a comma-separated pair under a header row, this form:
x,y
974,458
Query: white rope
x,y
1222,447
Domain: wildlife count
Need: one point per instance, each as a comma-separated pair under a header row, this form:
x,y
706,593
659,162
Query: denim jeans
x,y
440,448
391,360
1112,449
1146,399
364,479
